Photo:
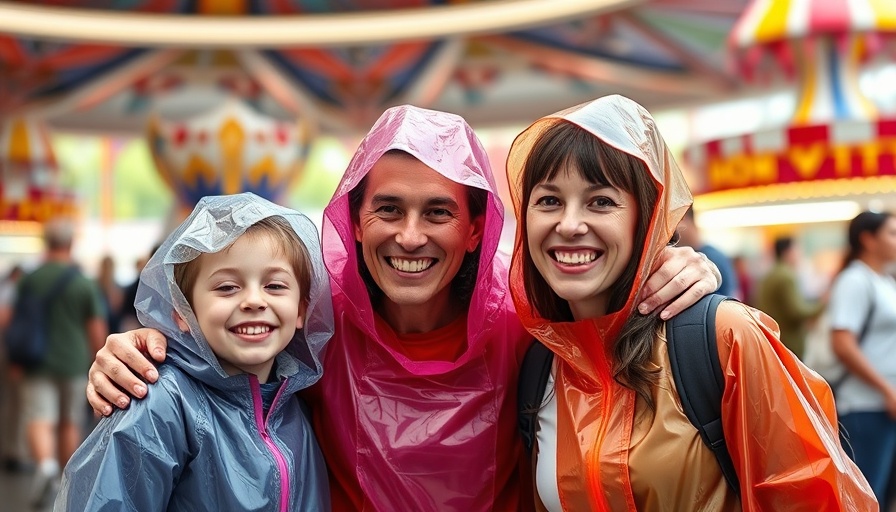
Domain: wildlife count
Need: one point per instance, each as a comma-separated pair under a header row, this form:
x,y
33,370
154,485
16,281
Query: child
x,y
241,293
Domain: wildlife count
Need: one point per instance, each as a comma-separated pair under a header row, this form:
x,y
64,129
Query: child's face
x,y
247,301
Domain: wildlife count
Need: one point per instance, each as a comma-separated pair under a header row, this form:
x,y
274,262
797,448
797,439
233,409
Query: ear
x,y
300,320
477,228
357,228
179,320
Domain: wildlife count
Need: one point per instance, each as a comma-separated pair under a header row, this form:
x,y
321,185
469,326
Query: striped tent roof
x,y
770,21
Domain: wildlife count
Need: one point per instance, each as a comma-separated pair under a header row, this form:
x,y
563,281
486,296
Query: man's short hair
x,y
782,245
59,233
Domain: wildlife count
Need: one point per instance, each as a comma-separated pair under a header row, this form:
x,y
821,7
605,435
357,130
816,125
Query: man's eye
x,y
441,212
387,209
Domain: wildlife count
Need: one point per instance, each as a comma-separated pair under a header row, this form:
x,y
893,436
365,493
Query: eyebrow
x,y
445,202
591,188
235,270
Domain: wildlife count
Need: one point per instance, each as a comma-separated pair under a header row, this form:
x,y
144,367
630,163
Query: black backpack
x,y
26,336
691,340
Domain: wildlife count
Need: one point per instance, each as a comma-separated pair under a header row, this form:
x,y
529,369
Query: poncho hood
x,y
446,144
215,223
628,127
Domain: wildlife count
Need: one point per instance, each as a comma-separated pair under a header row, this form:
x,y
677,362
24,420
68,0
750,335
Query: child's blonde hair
x,y
288,244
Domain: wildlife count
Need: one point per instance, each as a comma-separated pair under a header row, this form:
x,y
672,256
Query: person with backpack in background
x,y
862,316
416,409
75,328
598,196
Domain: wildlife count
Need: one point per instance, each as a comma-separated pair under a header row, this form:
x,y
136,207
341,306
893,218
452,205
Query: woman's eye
x,y
547,201
603,202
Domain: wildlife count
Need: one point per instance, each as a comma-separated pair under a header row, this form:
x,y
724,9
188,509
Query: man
x,y
416,409
689,235
52,401
779,295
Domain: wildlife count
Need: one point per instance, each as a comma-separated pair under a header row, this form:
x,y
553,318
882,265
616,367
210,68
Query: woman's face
x,y
580,237
885,240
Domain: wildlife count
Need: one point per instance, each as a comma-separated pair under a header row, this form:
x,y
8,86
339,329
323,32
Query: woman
x,y
862,314
598,196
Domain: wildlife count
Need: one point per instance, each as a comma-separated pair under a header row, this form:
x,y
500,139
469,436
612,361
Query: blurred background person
x,y
111,292
689,234
862,313
53,391
779,295
12,439
127,315
744,279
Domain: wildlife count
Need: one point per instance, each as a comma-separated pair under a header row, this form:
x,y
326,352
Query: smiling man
x,y
416,409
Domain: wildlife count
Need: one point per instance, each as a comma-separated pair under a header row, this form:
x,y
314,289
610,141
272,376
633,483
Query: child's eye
x,y
224,288
277,286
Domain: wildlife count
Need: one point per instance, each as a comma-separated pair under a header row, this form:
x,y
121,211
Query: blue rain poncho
x,y
200,441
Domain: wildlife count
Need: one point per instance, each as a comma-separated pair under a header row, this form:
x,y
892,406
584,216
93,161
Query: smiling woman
x,y
598,196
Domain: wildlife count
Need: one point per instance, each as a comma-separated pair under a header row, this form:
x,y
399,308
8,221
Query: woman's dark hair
x,y
464,282
566,146
865,222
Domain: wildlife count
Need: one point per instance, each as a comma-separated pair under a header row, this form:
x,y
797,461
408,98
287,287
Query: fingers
x,y
113,368
681,277
125,348
100,406
156,344
687,299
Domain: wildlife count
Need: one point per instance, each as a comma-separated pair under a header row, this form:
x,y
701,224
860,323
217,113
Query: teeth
x,y
253,329
410,265
575,258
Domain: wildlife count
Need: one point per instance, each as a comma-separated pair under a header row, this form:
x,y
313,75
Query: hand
x,y
118,365
890,402
679,273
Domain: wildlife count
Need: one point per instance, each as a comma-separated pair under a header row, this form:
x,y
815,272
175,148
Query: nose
x,y
253,299
411,235
571,224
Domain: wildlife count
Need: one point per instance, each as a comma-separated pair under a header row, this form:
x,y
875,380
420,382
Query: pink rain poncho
x,y
400,434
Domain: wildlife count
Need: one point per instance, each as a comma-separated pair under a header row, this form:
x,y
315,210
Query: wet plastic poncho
x,y
612,453
399,434
199,440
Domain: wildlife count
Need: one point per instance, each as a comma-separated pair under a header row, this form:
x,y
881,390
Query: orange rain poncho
x,y
612,452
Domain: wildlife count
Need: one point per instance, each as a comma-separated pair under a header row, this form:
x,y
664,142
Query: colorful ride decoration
x,y
30,189
836,144
228,150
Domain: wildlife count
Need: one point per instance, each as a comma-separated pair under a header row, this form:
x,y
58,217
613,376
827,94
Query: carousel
x,y
235,96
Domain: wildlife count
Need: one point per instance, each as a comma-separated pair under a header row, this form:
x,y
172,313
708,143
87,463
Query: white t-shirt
x,y
851,298
546,464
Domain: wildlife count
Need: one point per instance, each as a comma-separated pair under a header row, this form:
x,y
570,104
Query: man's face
x,y
415,228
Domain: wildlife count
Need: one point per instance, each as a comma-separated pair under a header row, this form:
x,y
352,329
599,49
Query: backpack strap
x,y
691,341
533,381
697,371
59,285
